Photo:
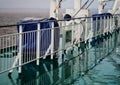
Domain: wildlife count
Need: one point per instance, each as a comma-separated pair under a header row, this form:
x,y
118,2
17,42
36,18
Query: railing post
x,y
86,29
91,33
38,43
20,49
52,40
73,28
62,52
96,29
108,28
86,50
61,40
111,31
104,44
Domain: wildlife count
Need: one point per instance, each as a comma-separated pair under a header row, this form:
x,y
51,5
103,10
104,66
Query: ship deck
x,y
107,72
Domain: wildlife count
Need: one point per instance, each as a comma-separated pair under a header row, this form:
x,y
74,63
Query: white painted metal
x,y
53,5
57,9
77,4
47,52
116,5
38,43
20,49
101,5
52,40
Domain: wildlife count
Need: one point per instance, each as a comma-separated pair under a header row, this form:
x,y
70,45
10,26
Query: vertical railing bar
x,y
63,36
41,39
104,35
6,64
112,24
31,50
107,33
3,51
85,39
23,58
86,29
101,29
7,51
52,40
47,39
34,40
101,23
10,50
92,27
63,47
20,49
1,55
92,30
33,45
102,32
111,31
27,51
29,57
96,29
6,48
73,26
38,43
15,49
29,47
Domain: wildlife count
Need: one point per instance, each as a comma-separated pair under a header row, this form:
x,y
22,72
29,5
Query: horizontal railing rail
x,y
12,25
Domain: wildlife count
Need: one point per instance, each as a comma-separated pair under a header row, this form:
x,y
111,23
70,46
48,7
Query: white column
x,y
20,49
38,43
57,10
52,40
100,6
52,8
77,4
116,5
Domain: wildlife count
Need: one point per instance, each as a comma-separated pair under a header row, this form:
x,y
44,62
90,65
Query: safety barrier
x,y
79,44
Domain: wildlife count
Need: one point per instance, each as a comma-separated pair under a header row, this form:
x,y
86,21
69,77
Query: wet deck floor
x,y
105,73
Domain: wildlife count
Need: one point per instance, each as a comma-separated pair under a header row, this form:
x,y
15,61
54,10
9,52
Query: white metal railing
x,y
21,48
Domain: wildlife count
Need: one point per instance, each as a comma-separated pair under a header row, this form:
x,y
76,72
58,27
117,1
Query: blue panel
x,y
29,40
96,26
